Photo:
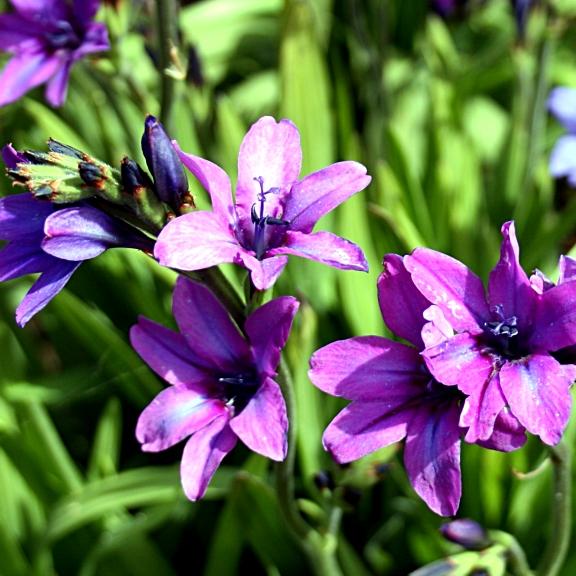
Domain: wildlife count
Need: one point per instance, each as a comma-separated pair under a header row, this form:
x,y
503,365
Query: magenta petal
x,y
44,289
401,303
364,427
508,433
263,424
509,287
167,353
268,328
271,151
481,409
321,192
208,329
537,389
203,454
263,273
24,72
176,413
323,247
196,241
368,368
16,30
432,458
57,86
460,361
451,285
213,179
555,322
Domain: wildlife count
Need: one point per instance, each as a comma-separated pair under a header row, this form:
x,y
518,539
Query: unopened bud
x,y
169,177
466,533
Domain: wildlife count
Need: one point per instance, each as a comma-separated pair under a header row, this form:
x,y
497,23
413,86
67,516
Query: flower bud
x,y
466,533
164,165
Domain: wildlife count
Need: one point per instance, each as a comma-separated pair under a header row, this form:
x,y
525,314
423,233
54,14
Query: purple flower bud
x,y
466,533
163,162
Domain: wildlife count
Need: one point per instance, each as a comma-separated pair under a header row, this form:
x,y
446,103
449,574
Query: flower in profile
x,y
53,240
222,382
45,38
274,213
394,396
562,105
502,352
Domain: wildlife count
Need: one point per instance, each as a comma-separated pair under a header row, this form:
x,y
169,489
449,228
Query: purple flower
x,y
45,38
274,212
562,105
501,355
395,397
54,241
223,385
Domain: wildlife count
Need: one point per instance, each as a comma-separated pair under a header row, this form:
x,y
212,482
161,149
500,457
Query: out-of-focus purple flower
x,y
521,11
223,385
395,397
447,8
166,168
53,240
465,532
274,213
501,355
562,105
46,37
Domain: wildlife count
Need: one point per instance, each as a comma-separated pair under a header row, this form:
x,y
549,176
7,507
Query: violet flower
x,y
394,396
562,105
46,37
53,240
274,212
501,355
223,385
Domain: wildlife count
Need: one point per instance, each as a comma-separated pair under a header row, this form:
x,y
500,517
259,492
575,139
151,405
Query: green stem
x,y
320,549
167,13
559,541
515,554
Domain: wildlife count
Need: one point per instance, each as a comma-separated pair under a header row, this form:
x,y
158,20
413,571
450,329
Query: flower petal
x,y
21,258
175,413
323,247
24,72
168,354
203,454
432,458
263,424
268,328
562,105
195,241
22,217
554,325
320,192
451,285
57,86
271,151
563,157
537,389
401,303
567,267
208,329
263,273
364,427
44,289
16,30
509,287
85,10
82,232
508,433
368,368
214,180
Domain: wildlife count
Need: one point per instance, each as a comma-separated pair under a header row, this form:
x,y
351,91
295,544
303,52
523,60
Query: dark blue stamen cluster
x,y
260,221
504,332
238,389
63,36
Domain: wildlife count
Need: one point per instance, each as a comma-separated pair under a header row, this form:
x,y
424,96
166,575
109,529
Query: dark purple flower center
x,y
260,220
62,36
502,335
237,389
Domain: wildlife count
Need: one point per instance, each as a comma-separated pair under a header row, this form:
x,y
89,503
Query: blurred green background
x,y
450,117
